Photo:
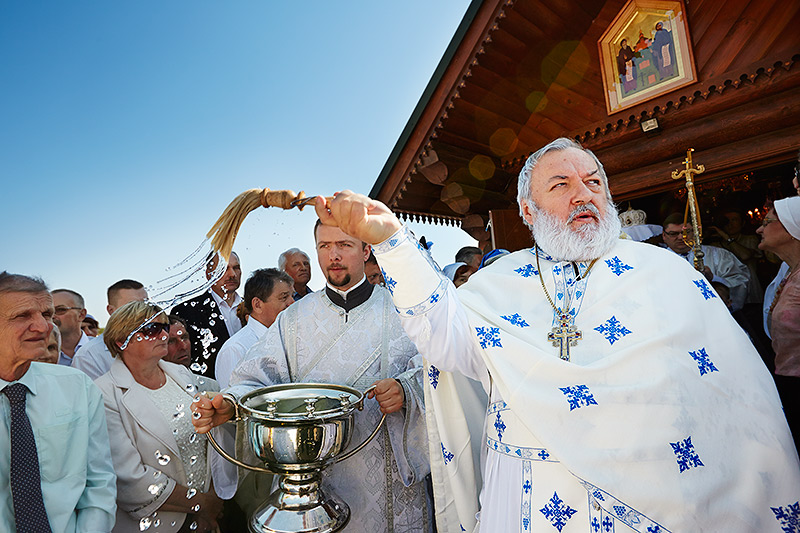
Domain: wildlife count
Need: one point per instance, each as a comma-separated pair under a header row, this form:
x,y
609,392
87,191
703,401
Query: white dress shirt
x,y
93,359
228,312
235,348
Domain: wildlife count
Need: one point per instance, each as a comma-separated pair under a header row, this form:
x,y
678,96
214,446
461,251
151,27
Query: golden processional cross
x,y
693,237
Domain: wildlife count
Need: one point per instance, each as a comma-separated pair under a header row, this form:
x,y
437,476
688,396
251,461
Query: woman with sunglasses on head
x,y
163,477
780,234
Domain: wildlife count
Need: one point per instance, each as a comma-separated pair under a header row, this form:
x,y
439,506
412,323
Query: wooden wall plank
x,y
777,34
729,50
700,17
717,33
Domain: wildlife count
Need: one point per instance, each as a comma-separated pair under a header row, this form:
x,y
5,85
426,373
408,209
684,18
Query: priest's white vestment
x,y
664,418
724,264
314,340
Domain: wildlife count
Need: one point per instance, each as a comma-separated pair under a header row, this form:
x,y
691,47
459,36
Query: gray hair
x,y
284,257
20,283
558,145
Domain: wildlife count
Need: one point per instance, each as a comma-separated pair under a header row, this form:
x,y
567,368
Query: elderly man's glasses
x,y
61,309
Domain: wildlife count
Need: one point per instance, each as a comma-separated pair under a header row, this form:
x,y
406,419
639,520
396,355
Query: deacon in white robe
x,y
623,396
350,334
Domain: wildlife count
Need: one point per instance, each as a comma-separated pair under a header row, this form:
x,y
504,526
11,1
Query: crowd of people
x,y
589,381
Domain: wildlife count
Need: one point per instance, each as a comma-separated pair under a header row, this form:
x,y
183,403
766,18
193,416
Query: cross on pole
x,y
692,208
563,336
690,170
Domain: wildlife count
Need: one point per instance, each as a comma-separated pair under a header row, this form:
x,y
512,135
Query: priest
x,y
623,396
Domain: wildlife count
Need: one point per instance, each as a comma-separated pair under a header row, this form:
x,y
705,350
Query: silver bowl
x,y
296,430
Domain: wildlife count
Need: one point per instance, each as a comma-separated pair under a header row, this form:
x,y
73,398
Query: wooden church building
x,y
638,82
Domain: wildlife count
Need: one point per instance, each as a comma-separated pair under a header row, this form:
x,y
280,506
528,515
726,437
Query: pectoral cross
x,y
563,336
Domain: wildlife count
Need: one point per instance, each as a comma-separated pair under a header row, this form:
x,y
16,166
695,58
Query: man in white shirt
x,y
70,312
93,358
623,394
267,292
211,316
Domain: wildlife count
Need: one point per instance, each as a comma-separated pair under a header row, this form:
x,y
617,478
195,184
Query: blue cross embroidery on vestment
x,y
500,426
516,320
685,454
390,283
557,269
446,455
392,242
557,512
608,524
433,374
705,290
612,330
527,489
616,266
527,271
578,396
595,524
543,454
704,364
789,517
489,337
655,528
434,298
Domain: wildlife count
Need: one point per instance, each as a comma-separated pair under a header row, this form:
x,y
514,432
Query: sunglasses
x,y
152,329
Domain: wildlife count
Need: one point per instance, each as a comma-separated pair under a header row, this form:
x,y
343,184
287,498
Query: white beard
x,y
587,242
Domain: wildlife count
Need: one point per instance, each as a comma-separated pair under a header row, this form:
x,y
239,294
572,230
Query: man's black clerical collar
x,y
353,298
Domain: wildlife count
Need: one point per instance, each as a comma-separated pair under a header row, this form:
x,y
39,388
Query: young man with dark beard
x,y
349,334
622,393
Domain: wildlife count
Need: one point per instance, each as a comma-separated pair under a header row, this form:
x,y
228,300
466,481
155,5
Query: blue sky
x,y
129,126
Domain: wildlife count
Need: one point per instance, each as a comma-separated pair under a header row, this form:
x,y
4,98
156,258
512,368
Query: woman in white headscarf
x,y
780,234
